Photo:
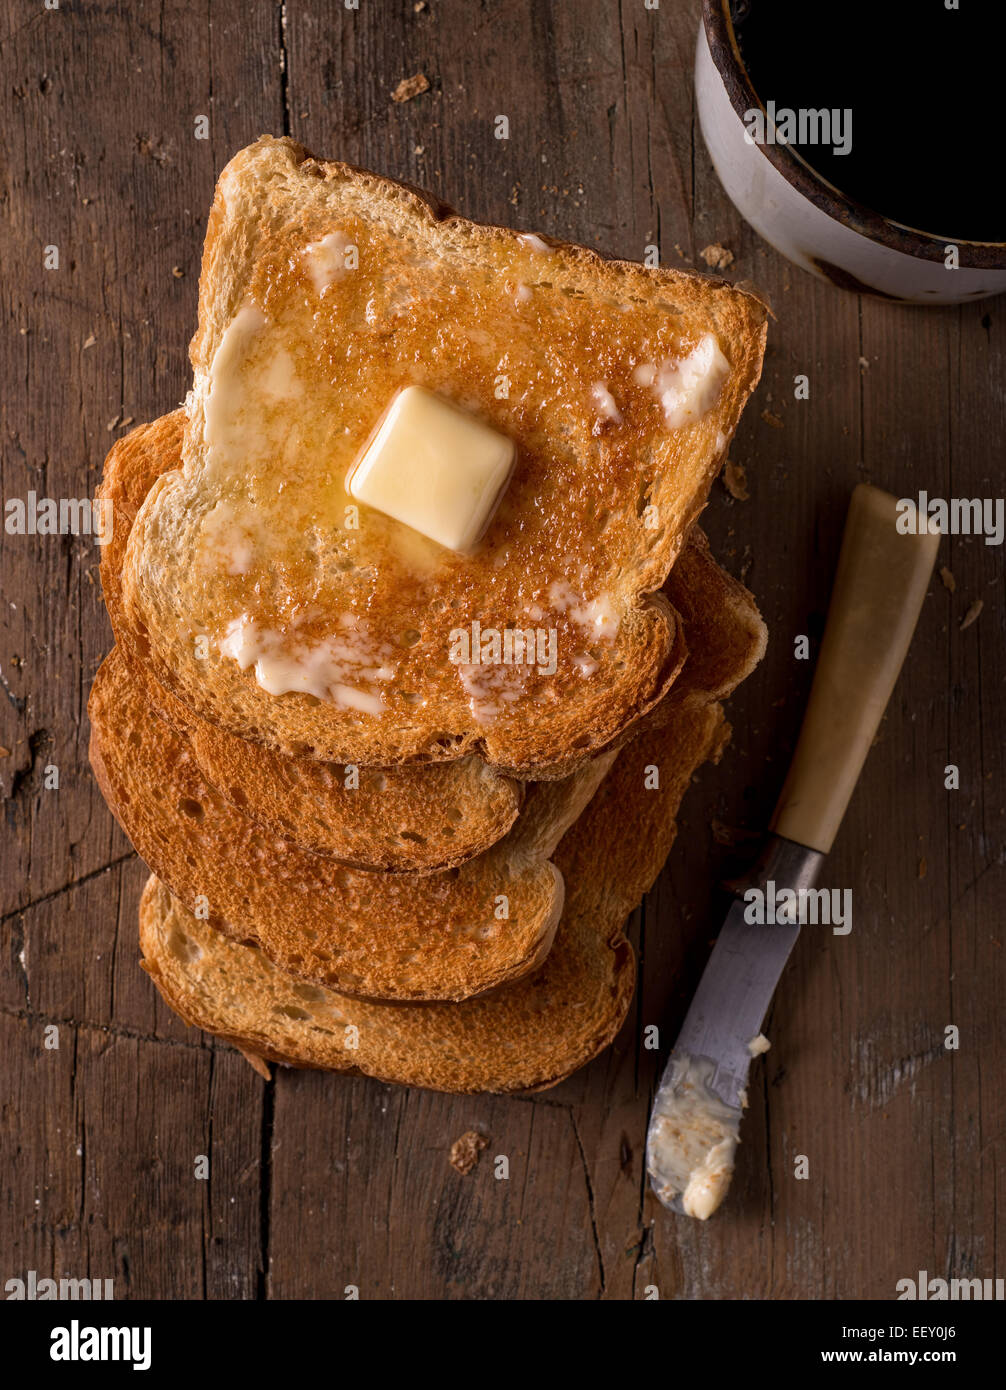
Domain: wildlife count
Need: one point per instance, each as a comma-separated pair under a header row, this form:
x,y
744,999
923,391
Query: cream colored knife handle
x,y
879,587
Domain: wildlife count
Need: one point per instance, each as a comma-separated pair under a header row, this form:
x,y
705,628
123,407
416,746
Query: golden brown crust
x,y
404,819
382,936
527,1036
575,513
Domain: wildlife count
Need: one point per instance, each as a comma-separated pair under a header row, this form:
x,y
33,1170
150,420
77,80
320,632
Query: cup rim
x,y
974,255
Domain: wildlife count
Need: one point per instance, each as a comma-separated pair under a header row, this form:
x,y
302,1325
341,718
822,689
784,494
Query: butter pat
x,y
434,468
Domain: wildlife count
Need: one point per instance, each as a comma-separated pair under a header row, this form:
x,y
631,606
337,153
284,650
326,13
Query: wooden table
x,y
317,1182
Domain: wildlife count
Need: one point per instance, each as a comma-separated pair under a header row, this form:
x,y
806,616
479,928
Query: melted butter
x,y
597,617
413,552
692,1138
342,669
226,390
326,259
690,386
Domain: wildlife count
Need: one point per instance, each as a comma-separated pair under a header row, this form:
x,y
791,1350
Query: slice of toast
x,y
409,818
401,936
416,819
726,634
526,1036
324,291
404,936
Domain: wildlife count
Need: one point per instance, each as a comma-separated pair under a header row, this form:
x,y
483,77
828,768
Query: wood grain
x,y
317,1184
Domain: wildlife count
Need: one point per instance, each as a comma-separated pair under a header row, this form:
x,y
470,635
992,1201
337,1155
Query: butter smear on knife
x,y
693,1138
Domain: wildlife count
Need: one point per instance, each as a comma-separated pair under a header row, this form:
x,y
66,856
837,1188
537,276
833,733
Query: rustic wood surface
x,y
317,1183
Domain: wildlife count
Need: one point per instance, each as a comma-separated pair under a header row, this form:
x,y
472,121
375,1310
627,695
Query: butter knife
x,y
884,568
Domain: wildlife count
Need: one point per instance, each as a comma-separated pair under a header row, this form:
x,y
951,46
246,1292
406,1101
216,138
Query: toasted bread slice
x,y
384,936
726,634
526,1036
408,818
373,934
324,291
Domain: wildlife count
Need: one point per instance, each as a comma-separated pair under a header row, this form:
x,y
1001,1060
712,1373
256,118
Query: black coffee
x,y
923,95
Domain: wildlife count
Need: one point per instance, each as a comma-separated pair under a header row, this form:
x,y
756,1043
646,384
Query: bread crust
x,y
528,1036
380,936
399,819
272,200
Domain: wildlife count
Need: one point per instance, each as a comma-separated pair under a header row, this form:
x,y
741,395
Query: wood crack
x,y
284,69
590,1201
112,1030
265,1186
58,892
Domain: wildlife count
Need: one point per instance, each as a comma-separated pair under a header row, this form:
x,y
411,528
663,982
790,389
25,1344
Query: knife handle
x,y
879,587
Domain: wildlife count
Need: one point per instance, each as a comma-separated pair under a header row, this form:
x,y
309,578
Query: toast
x,y
620,386
382,936
727,636
527,1036
409,818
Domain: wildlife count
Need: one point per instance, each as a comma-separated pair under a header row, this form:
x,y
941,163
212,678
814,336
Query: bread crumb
x,y
716,256
758,1045
949,582
465,1151
410,87
923,867
419,6
257,1063
4,752
177,271
735,480
112,424
973,613
90,340
864,364
771,418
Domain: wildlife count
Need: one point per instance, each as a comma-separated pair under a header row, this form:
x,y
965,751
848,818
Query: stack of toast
x,y
402,755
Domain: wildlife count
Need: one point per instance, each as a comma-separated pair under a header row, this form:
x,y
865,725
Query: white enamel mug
x,y
807,219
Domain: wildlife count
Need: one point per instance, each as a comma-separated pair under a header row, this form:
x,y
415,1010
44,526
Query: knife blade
x,y
695,1123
